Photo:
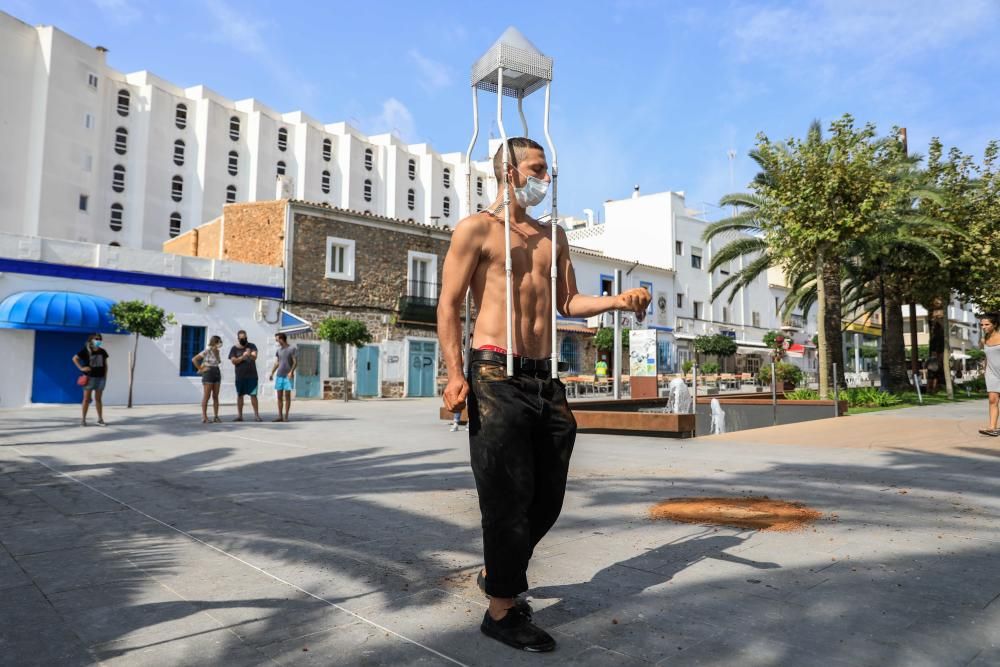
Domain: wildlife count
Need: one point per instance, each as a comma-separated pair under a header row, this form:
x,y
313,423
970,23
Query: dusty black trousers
x,y
521,435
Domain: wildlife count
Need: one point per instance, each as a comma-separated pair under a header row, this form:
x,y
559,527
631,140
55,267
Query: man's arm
x,y
295,363
571,303
235,358
459,266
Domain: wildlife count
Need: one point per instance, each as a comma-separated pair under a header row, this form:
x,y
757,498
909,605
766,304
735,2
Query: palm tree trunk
x,y
833,321
894,344
131,368
822,351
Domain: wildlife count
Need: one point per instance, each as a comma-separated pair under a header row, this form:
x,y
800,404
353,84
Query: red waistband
x,y
494,348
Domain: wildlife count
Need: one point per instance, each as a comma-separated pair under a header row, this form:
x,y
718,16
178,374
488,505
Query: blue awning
x,y
293,324
57,311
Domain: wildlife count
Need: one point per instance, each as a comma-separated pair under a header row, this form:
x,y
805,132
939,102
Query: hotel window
x,y
118,178
117,214
121,140
695,258
324,182
679,247
369,159
176,188
234,163
725,314
411,199
479,207
124,97
479,186
181,116
446,178
777,305
84,200
697,310
447,207
281,168
192,342
368,190
92,80
339,258
234,128
680,300
327,150
179,153
411,169
282,139
230,194
88,121
175,224
755,318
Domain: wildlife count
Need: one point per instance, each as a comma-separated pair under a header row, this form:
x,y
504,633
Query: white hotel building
x,y
95,155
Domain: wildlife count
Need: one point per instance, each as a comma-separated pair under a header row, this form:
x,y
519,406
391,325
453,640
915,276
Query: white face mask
x,y
532,193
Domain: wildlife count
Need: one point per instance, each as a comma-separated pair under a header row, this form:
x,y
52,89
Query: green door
x,y
307,384
368,371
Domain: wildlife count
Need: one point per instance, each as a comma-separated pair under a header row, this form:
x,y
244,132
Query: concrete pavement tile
x,y
195,648
32,632
356,644
728,649
597,656
44,534
66,569
11,574
72,498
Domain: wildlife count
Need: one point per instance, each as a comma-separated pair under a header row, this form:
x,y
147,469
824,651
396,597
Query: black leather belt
x,y
522,365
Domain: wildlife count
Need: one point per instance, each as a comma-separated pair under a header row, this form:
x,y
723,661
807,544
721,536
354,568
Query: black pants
x,y
521,435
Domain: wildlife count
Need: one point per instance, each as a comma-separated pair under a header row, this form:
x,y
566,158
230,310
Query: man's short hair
x,y
282,337
517,146
241,331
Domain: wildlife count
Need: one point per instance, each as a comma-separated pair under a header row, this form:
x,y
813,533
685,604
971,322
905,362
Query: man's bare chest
x,y
530,252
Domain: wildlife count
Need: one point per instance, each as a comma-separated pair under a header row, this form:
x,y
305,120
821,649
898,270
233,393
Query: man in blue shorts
x,y
284,365
244,358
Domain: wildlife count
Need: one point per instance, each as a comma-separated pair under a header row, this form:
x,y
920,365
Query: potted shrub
x,y
789,375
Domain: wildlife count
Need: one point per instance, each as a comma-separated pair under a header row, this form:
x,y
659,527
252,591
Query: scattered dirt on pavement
x,y
760,512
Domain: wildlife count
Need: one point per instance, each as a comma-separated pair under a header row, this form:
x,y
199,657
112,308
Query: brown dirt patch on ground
x,y
760,513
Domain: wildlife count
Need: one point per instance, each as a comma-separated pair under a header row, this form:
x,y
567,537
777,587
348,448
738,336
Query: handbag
x,y
82,380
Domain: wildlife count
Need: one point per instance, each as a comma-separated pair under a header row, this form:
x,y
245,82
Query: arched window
x,y
175,224
117,216
369,159
177,188
324,182
479,186
234,163
234,128
121,140
118,178
446,208
124,97
446,177
179,152
181,116
479,207
230,194
327,150
368,190
281,168
411,199
282,138
412,169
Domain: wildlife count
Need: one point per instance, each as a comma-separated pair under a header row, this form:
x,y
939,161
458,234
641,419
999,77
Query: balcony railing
x,y
794,322
419,302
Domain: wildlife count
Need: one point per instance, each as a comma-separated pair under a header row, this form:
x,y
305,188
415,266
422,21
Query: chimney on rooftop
x,y
635,192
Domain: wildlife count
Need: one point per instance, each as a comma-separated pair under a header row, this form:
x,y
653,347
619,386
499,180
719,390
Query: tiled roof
x,y
370,216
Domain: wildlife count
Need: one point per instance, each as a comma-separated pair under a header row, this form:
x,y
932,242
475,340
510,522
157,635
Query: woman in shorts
x,y
92,361
208,362
989,324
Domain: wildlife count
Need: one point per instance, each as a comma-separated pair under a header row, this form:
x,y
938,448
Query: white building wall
x,y
54,157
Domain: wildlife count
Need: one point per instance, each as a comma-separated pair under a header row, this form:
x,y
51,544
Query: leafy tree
x,y
715,345
785,371
823,194
686,366
604,339
140,319
710,367
344,332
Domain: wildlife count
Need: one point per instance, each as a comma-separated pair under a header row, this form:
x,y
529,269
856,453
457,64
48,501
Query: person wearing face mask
x,y
521,430
208,364
243,356
92,361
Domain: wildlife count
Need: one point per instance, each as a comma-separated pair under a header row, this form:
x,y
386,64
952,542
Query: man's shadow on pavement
x,y
617,583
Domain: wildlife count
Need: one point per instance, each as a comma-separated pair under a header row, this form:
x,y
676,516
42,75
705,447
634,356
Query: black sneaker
x,y
519,602
515,629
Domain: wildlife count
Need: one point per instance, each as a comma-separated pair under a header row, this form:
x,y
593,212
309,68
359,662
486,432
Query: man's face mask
x,y
243,340
532,193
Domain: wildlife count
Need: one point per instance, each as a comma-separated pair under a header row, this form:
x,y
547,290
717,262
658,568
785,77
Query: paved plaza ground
x,y
350,536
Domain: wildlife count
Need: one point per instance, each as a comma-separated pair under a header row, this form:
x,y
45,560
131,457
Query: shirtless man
x,y
521,430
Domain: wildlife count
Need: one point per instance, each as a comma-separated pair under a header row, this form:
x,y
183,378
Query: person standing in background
x,y
286,359
92,361
209,362
990,326
243,355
